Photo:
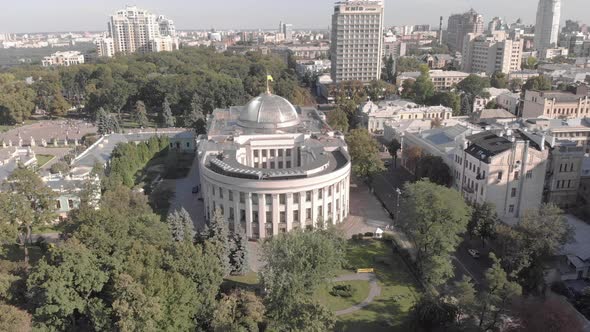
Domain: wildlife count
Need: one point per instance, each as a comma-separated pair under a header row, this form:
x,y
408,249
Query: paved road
x,y
185,198
374,291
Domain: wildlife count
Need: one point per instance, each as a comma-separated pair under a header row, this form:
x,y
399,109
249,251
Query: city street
x,y
384,186
184,197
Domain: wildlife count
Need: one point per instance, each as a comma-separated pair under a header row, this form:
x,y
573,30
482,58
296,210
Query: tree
x,y
466,104
483,222
432,313
388,74
434,169
497,296
141,114
181,225
499,80
393,148
17,100
195,117
448,99
59,106
62,284
413,154
167,119
379,89
14,319
407,64
475,86
216,233
433,219
338,120
364,152
238,311
540,82
465,294
296,264
492,105
423,87
530,63
409,89
25,202
238,257
135,311
60,167
516,84
582,302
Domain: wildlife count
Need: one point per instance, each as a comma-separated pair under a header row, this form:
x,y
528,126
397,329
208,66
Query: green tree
x,y
433,218
466,296
499,80
448,99
483,222
516,84
338,120
195,117
393,148
25,202
540,82
141,114
16,100
295,265
14,319
135,311
216,233
62,284
238,311
475,86
423,87
431,313
434,169
388,74
364,151
181,225
167,119
238,256
58,105
407,64
530,63
497,296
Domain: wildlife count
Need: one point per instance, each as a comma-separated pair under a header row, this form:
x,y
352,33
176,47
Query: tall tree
x,y
238,257
338,120
475,86
181,225
393,148
499,80
216,233
431,313
17,100
448,99
423,87
141,114
364,151
434,169
540,82
25,202
388,74
167,119
238,311
483,222
14,319
433,219
195,117
516,84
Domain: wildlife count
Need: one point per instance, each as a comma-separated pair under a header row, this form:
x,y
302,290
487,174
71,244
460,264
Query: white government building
x,y
271,167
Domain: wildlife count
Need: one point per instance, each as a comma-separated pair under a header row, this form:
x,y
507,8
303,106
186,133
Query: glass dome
x,y
268,111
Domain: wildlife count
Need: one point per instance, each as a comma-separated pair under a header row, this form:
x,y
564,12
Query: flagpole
x,y
267,84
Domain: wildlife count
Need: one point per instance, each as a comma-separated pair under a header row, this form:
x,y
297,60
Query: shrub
x,y
355,237
369,234
59,167
360,236
560,288
342,290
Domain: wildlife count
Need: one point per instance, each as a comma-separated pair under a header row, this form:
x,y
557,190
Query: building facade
x,y
357,40
493,53
270,167
375,116
136,30
460,25
63,59
557,104
547,25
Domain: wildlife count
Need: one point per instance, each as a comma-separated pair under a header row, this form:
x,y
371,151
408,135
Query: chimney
x,y
440,31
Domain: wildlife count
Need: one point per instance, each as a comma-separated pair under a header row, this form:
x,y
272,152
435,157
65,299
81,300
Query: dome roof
x,y
268,111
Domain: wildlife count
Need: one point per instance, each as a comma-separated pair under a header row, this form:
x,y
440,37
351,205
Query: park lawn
x,y
43,159
399,289
334,303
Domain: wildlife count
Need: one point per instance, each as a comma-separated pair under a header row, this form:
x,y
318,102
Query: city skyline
x,y
246,14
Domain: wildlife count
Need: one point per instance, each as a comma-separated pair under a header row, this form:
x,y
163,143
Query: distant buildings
x,y
460,25
132,30
374,116
547,25
286,30
63,59
357,40
557,104
492,53
442,79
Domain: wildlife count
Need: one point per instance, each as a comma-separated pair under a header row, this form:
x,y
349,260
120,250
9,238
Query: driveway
x,y
184,198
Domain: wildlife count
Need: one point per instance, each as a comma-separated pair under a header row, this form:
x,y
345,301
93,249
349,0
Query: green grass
x,y
43,159
250,278
334,303
399,290
57,228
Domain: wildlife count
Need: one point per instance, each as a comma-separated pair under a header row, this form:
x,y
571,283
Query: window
x,y
255,153
242,215
500,175
280,164
242,197
272,153
282,198
269,217
308,196
70,203
516,174
569,183
230,195
272,164
329,208
268,199
280,153
264,153
320,211
231,213
288,164
572,167
220,192
513,192
282,217
308,214
529,174
58,204
255,216
511,208
330,191
296,198
213,190
288,152
320,193
254,199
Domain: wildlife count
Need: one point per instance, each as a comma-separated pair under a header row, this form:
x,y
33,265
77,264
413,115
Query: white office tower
x,y
136,30
547,25
357,40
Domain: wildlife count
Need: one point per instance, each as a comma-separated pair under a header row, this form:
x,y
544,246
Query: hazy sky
x,y
76,15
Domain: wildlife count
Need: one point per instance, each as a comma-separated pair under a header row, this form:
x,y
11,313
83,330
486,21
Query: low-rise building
x,y
509,101
443,80
374,116
479,103
522,75
438,61
313,66
557,104
68,58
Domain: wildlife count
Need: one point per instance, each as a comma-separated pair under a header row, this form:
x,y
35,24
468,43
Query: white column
x,y
236,206
248,206
314,207
334,196
302,210
262,215
275,214
289,210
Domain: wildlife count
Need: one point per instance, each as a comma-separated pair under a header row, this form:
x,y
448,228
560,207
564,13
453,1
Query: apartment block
x,y
491,53
357,40
460,25
557,104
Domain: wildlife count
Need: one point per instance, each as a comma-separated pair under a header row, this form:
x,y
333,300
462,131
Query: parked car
x,y
195,189
387,163
473,253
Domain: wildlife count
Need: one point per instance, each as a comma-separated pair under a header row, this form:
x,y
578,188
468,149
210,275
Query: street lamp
x,y
398,192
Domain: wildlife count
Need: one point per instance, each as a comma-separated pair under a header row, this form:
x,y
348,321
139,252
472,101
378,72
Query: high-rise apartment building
x,y
460,25
547,25
491,53
132,30
357,40
286,30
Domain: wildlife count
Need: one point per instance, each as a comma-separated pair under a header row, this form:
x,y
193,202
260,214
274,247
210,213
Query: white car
x,y
473,253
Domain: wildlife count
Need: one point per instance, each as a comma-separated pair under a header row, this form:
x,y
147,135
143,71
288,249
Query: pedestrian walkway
x,y
374,291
